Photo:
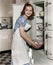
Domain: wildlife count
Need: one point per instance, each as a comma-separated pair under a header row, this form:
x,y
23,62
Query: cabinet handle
x,y
47,36
49,53
48,3
48,24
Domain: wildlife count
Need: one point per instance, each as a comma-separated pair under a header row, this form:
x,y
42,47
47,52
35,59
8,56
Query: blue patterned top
x,y
21,21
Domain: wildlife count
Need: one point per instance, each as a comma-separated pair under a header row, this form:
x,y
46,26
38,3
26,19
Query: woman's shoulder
x,y
22,17
19,18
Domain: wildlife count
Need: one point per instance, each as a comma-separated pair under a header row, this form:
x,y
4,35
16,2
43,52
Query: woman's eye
x,y
26,9
30,10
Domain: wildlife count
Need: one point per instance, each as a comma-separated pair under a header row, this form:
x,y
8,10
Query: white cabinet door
x,y
50,16
45,21
49,27
50,44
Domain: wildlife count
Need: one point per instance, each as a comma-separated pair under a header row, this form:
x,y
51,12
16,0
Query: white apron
x,y
19,50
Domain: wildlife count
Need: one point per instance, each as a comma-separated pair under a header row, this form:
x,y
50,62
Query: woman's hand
x,y
37,44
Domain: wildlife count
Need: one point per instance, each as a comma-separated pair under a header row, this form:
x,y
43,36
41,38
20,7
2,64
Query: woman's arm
x,y
27,38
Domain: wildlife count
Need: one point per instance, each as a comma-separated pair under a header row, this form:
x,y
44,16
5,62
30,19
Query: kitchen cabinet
x,y
49,28
5,39
47,23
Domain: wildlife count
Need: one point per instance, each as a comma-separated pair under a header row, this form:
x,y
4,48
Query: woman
x,y
20,37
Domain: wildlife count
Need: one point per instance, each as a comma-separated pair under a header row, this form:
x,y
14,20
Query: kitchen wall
x,y
21,1
5,8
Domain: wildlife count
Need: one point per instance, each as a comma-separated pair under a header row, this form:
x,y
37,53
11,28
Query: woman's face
x,y
28,11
